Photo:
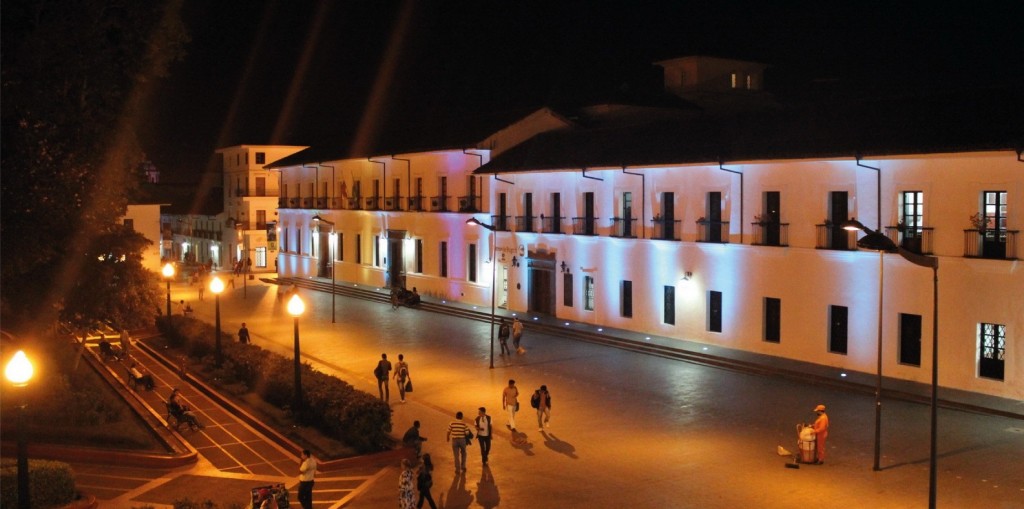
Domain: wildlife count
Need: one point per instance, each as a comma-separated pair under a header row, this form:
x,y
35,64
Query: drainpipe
x,y
316,181
643,193
589,177
720,167
878,190
481,158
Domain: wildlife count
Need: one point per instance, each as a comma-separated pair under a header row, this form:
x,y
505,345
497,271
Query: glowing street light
x,y
217,286
19,371
168,272
295,308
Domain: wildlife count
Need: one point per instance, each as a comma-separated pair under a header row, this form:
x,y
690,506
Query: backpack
x,y
535,399
378,372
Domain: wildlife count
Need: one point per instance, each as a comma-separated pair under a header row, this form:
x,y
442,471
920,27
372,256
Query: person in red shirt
x,y
820,432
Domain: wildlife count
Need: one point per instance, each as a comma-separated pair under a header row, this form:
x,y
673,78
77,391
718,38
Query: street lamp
x,y
19,372
331,249
217,286
494,269
168,272
295,308
873,240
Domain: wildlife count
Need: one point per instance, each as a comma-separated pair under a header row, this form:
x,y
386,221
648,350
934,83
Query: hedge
x,y
51,483
331,405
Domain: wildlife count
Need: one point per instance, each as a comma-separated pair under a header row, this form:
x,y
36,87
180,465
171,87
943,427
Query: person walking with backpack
x,y
402,376
383,372
541,400
503,333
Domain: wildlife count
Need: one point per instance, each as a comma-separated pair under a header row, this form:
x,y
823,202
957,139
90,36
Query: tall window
x,y
912,213
471,256
588,293
419,256
772,320
995,210
626,298
359,248
376,251
339,248
992,346
714,311
261,257
669,305
443,263
910,339
284,240
261,219
837,329
567,290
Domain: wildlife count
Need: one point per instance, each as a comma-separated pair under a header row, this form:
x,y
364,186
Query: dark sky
x,y
318,73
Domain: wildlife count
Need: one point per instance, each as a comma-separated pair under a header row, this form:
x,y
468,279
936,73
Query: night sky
x,y
317,73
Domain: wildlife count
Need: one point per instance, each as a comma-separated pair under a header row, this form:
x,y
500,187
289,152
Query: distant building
x,y
709,214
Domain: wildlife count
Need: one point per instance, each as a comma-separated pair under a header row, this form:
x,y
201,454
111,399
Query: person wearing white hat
x,y
820,432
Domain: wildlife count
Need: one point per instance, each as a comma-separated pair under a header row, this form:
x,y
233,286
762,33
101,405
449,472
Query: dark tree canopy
x,y
76,75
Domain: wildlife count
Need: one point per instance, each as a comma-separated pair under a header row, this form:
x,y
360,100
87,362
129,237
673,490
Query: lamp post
x,y
19,371
494,269
168,272
295,308
874,240
319,219
217,286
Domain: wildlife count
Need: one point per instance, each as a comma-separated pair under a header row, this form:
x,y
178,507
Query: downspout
x,y
878,190
383,176
589,177
316,182
643,193
481,157
331,187
720,167
408,175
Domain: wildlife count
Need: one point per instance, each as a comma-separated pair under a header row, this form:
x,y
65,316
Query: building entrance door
x,y
323,255
541,281
396,258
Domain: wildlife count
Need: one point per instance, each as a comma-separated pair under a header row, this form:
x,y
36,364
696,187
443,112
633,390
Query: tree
x,y
75,79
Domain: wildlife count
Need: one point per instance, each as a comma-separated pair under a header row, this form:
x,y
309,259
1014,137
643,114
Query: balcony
x,y
500,223
320,202
771,234
337,203
294,203
416,203
469,203
990,244
584,226
833,236
439,203
549,224
371,203
308,202
665,229
916,240
524,223
624,227
282,203
353,203
392,203
713,231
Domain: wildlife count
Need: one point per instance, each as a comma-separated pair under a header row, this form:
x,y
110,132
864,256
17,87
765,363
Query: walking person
x,y
406,486
202,286
510,402
517,335
402,376
382,372
820,432
503,333
425,481
541,400
483,433
126,343
457,433
307,469
243,334
412,438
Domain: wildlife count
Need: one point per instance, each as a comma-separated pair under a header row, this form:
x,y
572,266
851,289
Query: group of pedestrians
x,y
516,331
401,376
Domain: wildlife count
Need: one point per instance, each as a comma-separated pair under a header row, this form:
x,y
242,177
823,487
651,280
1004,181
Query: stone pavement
x,y
628,429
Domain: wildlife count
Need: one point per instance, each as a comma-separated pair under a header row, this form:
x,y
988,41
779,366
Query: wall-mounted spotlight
x,y
686,276
515,261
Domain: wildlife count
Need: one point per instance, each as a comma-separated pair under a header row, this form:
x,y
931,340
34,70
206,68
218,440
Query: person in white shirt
x,y
306,471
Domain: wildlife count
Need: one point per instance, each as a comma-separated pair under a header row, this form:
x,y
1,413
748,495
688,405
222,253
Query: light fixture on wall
x,y
686,276
515,261
565,268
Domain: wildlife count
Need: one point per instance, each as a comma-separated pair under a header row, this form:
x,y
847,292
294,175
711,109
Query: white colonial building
x,y
700,220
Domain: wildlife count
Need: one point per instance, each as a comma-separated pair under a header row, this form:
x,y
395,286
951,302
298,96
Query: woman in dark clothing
x,y
424,481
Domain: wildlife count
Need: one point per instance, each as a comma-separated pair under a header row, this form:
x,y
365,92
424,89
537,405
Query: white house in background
x,y
693,221
145,219
250,204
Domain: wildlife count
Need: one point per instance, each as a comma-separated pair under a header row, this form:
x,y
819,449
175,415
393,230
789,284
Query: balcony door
x,y
838,213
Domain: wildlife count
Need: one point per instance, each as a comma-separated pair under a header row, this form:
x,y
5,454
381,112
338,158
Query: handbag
x,y
408,386
469,437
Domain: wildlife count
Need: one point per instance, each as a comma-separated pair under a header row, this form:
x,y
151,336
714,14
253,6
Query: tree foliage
x,y
75,80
